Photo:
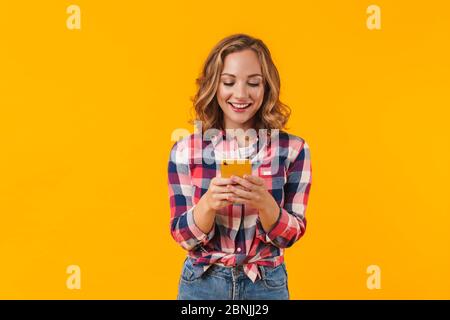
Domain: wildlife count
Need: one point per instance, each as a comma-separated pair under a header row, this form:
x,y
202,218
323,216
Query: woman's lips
x,y
240,110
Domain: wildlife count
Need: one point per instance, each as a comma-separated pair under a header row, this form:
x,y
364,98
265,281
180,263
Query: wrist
x,y
269,208
205,203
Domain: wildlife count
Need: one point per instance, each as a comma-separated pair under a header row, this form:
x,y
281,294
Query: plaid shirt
x,y
237,236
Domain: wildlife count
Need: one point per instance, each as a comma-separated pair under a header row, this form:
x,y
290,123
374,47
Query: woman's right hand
x,y
217,195
215,198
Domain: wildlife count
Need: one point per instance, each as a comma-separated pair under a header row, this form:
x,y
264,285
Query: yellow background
x,y
86,117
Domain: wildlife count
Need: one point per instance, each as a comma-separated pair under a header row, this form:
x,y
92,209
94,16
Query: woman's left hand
x,y
255,194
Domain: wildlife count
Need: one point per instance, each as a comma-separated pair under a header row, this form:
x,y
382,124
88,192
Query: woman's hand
x,y
256,195
253,193
218,194
215,198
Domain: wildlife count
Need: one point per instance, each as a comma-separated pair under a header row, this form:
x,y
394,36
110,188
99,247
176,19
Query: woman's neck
x,y
242,141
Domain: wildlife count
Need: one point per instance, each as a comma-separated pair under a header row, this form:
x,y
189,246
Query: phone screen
x,y
237,167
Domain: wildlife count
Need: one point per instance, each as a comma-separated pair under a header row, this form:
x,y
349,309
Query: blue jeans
x,y
231,283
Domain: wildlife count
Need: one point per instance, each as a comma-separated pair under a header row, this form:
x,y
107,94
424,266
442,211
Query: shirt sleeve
x,y
182,224
291,223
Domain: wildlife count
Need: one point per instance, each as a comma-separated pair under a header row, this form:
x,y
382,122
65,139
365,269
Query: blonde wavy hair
x,y
273,114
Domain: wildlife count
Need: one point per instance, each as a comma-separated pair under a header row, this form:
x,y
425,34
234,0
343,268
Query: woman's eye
x,y
250,84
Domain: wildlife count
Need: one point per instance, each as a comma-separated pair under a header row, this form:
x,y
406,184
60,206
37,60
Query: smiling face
x,y
241,89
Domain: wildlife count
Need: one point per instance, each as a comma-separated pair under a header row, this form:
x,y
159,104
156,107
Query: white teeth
x,y
240,105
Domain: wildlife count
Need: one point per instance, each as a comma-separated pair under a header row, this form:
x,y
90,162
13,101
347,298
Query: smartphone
x,y
236,167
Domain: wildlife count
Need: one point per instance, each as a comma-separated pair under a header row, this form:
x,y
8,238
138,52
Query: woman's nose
x,y
241,91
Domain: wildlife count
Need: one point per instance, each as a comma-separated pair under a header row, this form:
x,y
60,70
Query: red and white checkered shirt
x,y
237,237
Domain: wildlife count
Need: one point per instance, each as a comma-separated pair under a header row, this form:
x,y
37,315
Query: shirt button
x,y
238,249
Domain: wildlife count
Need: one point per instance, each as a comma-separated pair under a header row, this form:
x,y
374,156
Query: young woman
x,y
236,229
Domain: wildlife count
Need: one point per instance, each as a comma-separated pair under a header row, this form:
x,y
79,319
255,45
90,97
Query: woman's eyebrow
x,y
250,76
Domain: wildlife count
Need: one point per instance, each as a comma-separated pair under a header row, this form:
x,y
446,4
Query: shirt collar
x,y
215,139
